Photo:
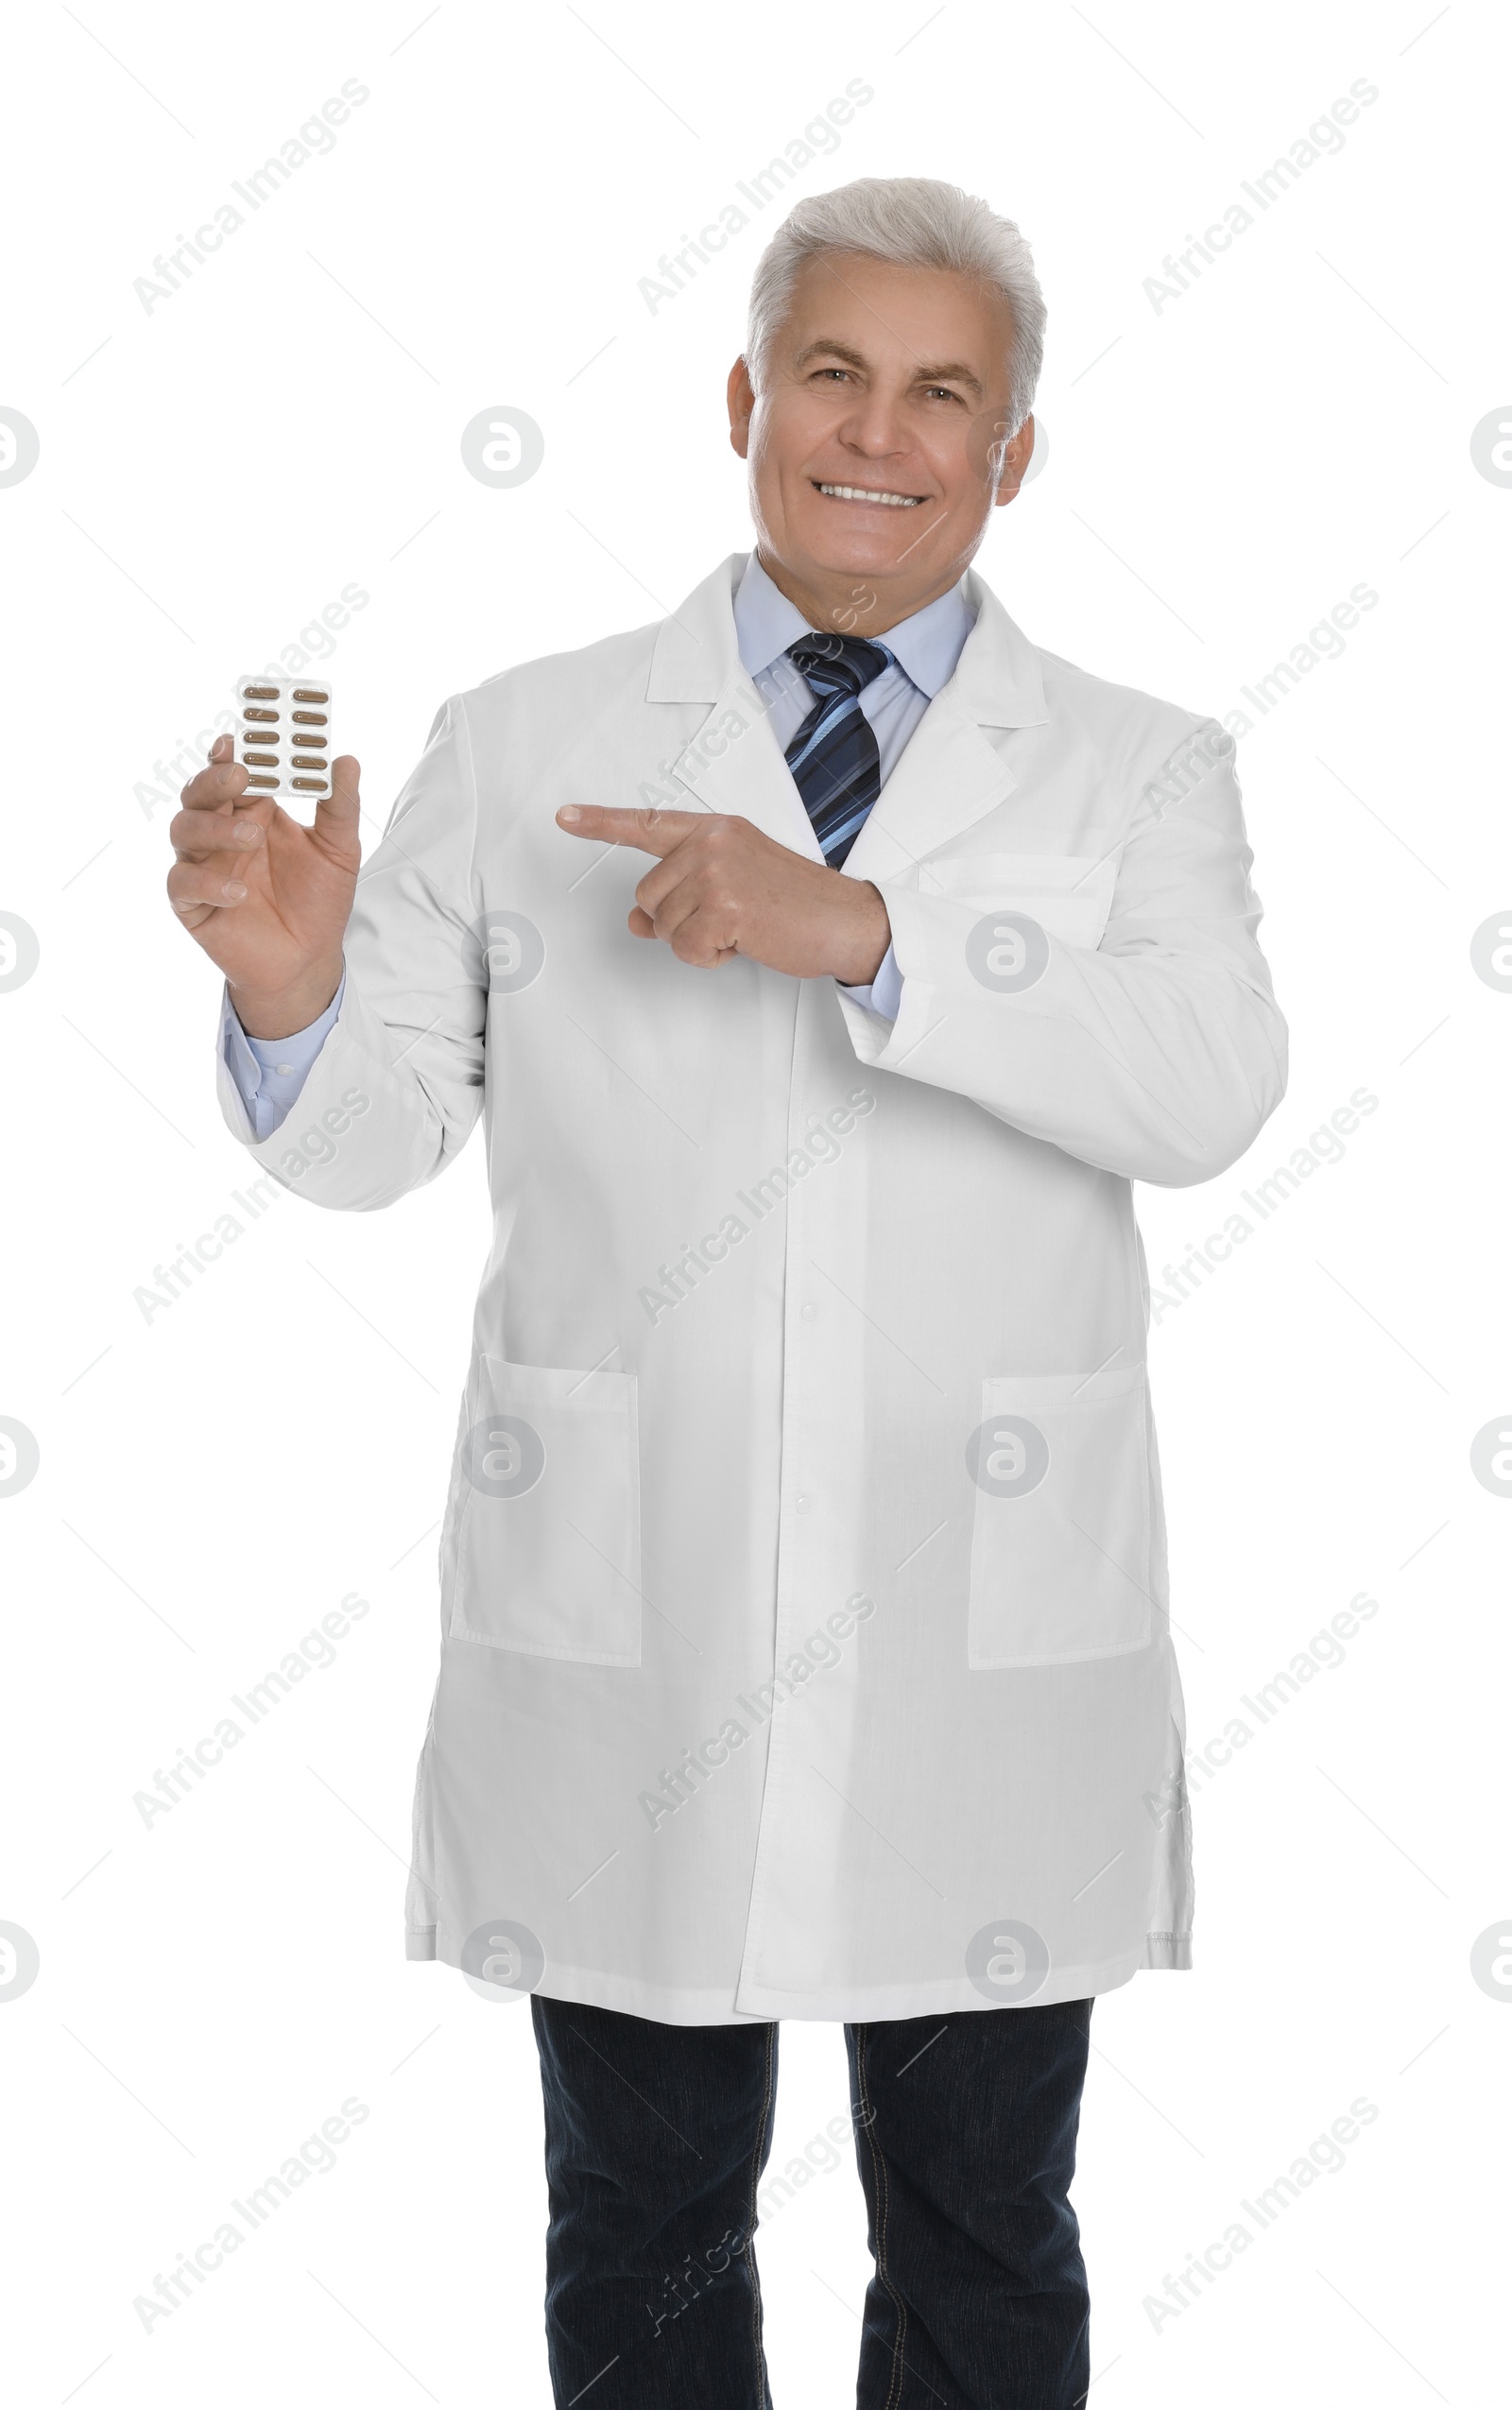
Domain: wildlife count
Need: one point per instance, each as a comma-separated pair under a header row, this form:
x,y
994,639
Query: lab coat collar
x,y
948,774
926,645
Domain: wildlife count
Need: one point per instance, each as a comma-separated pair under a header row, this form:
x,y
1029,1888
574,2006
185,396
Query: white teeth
x,y
869,493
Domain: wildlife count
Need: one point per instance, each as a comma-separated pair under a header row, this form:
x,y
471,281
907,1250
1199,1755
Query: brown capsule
x,y
308,762
261,761
309,719
310,785
311,695
261,694
252,713
257,781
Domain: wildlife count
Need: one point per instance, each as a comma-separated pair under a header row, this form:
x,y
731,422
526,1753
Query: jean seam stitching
x,y
750,2220
879,2166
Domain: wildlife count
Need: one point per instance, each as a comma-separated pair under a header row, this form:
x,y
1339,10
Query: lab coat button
x,y
809,1313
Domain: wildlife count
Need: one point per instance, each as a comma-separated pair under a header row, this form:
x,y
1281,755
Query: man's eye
x,y
949,393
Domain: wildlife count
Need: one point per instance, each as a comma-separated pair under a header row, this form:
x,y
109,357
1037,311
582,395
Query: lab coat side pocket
x,y
1060,1531
548,1543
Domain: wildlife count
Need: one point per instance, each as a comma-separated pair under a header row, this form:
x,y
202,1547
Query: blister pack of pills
x,y
284,738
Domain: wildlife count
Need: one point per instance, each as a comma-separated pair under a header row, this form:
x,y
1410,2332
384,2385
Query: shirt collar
x,y
925,646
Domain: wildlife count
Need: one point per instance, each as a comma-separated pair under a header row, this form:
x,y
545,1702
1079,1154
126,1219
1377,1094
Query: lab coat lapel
x,y
733,763
948,773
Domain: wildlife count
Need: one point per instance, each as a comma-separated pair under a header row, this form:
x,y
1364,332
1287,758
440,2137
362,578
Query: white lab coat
x,y
803,1596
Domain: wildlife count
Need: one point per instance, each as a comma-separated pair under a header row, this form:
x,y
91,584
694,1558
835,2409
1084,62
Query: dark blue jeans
x,y
966,2139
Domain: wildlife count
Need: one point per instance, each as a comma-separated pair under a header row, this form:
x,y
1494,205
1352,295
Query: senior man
x,y
805,1648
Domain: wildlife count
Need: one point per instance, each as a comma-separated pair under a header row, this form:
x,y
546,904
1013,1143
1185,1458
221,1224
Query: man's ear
x,y
1015,463
741,396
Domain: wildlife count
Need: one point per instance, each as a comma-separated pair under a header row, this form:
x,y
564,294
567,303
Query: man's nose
x,y
875,427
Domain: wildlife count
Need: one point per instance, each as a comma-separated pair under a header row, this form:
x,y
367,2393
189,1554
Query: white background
x,y
1221,472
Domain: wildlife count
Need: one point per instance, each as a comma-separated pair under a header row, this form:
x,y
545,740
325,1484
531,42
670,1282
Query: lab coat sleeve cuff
x,y
268,1073
1143,1039
364,1132
885,993
883,1036
1169,1952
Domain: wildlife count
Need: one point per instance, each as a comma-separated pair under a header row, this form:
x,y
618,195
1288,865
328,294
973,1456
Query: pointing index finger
x,y
651,831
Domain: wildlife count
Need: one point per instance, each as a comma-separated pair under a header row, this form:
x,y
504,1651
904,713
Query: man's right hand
x,y
266,898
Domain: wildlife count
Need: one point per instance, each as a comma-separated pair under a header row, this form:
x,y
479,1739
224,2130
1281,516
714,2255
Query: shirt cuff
x,y
270,1072
886,994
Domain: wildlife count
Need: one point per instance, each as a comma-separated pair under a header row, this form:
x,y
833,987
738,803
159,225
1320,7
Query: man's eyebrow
x,y
953,371
837,351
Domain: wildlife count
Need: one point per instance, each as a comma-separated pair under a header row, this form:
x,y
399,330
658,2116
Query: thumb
x,y
336,814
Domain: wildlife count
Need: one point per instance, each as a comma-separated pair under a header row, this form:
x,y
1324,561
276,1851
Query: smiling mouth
x,y
869,493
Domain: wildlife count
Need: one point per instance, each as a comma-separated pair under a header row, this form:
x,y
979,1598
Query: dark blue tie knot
x,y
838,665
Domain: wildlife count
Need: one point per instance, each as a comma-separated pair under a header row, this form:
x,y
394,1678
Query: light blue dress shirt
x,y
270,1072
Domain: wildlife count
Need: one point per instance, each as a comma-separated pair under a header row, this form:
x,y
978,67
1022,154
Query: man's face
x,y
877,444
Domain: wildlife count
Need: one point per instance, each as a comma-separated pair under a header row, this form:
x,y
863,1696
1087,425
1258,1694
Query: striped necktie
x,y
834,757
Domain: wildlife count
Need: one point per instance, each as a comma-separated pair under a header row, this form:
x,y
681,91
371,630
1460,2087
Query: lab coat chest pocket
x,y
1069,894
1061,1534
548,1543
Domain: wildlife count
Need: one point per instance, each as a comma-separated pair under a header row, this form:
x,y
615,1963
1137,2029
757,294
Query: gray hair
x,y
915,222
